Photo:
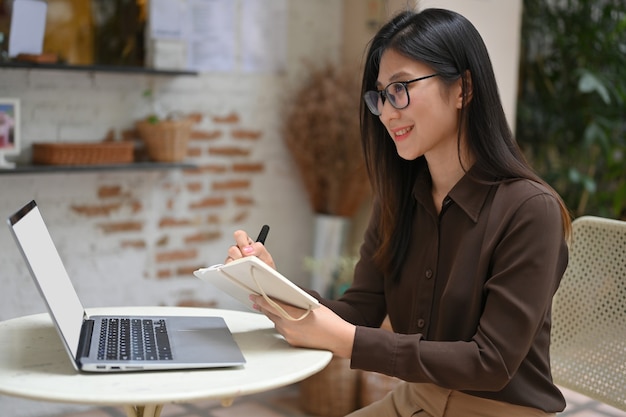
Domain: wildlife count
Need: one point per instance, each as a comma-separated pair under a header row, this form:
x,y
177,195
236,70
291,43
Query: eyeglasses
x,y
397,94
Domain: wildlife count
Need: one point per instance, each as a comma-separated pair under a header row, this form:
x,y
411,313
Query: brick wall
x,y
150,230
134,237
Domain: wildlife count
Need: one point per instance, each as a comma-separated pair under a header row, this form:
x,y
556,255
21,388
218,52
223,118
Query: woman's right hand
x,y
245,246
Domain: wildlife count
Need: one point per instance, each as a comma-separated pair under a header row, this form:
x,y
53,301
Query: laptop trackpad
x,y
205,339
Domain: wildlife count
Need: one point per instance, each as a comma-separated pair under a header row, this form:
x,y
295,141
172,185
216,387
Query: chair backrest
x,y
588,350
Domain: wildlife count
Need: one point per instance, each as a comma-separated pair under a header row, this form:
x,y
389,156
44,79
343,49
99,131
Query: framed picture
x,y
9,130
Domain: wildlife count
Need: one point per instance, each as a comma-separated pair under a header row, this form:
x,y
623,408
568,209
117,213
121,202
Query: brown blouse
x,y
471,308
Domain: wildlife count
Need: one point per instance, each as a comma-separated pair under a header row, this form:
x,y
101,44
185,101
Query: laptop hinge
x,y
85,338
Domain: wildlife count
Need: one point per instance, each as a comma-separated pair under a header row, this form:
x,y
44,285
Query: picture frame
x,y
10,140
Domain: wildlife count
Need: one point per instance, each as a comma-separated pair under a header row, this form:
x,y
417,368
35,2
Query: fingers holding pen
x,y
241,248
246,246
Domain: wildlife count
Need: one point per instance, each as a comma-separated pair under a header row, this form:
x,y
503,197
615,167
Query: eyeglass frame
x,y
383,95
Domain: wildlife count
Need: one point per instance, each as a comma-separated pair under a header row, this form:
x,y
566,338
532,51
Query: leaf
x,y
589,83
590,184
574,175
595,134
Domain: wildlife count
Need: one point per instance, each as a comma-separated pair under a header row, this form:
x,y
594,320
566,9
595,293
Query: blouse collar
x,y
469,193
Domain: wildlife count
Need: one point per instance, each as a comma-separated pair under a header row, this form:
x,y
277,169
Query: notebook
x,y
250,275
120,343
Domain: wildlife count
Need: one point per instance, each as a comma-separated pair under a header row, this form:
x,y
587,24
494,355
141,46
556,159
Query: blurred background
x,y
271,88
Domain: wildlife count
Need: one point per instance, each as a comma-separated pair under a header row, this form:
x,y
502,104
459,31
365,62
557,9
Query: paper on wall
x,y
28,25
263,34
211,39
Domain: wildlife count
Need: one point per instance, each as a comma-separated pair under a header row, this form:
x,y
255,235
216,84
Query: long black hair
x,y
449,44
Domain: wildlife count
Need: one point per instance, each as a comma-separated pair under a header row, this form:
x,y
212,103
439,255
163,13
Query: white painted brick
x,y
39,131
106,81
60,80
12,81
47,112
33,98
183,84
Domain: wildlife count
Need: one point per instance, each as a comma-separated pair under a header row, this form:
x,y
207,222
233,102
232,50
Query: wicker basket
x,y
331,392
166,140
83,153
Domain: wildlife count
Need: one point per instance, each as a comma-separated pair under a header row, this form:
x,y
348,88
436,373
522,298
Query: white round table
x,y
34,365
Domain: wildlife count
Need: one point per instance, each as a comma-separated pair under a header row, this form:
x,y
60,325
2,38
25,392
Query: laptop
x,y
119,343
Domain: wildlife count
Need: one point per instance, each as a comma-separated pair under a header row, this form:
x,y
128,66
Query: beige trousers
x,y
428,400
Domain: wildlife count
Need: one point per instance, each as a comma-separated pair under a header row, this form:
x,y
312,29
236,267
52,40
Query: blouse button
x,y
429,273
420,323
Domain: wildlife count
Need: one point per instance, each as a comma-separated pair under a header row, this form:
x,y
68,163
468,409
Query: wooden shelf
x,y
95,68
136,166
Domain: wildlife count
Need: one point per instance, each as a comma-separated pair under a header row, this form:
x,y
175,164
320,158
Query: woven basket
x,y
166,140
83,153
331,392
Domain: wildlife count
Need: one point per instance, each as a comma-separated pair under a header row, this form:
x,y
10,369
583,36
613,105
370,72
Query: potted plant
x,y
165,135
322,133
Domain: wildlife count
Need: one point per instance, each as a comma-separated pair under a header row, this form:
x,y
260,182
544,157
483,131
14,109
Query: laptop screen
x,y
47,269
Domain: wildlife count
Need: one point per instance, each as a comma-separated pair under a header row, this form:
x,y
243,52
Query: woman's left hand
x,y
320,329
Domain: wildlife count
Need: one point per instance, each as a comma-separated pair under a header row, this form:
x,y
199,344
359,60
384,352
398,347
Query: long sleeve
x,y
471,309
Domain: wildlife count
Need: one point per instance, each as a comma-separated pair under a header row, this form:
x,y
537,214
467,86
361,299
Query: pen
x,y
263,233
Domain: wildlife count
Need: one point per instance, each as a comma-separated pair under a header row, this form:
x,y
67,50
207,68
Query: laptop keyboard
x,y
133,339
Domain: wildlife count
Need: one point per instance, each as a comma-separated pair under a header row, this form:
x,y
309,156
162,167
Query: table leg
x,y
151,410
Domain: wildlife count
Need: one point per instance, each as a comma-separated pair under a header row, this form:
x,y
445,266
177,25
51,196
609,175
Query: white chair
x,y
588,350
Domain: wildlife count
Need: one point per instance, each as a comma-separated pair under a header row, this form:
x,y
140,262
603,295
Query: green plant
x,y
572,100
342,268
156,113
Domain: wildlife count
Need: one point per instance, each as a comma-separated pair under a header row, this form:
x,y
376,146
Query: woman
x,y
465,247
